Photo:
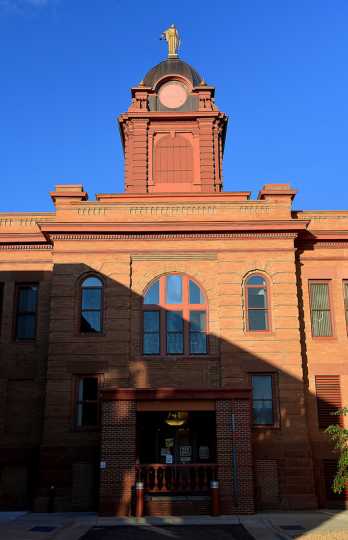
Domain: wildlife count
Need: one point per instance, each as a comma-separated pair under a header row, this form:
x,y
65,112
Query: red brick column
x,y
137,157
234,456
118,452
207,158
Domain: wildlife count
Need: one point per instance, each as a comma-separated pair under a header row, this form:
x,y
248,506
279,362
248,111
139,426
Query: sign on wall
x,y
203,452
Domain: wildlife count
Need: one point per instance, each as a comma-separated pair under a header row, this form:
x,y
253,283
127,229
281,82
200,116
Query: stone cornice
x,y
277,227
329,234
169,115
22,237
169,198
315,239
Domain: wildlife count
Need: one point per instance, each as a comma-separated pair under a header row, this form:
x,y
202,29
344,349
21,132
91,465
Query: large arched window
x,y
91,308
173,160
257,303
175,317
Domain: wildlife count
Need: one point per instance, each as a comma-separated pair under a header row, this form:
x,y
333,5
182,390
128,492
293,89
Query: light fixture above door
x,y
176,418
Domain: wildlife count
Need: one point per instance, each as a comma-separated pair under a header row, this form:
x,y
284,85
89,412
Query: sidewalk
x,y
319,525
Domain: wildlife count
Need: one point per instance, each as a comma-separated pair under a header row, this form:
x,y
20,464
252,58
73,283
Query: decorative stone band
x,y
177,256
26,247
20,246
325,244
174,236
341,244
24,221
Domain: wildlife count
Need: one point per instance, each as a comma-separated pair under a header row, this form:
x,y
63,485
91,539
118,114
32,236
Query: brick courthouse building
x,y
175,332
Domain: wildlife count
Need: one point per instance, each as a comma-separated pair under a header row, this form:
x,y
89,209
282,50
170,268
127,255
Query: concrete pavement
x,y
319,525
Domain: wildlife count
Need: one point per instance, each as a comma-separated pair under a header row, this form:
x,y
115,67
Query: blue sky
x,y
279,67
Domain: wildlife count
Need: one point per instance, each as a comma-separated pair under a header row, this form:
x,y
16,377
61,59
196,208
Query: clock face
x,y
172,95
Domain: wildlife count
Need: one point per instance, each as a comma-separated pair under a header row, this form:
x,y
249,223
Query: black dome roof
x,y
172,66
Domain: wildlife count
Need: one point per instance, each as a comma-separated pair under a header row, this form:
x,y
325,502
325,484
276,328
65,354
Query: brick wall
x,y
127,266
22,380
267,484
323,356
234,456
118,451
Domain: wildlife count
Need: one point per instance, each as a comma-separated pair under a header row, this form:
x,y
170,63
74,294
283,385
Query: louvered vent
x,y
328,393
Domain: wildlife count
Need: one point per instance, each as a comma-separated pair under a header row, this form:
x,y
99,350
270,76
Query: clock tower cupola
x,y
173,133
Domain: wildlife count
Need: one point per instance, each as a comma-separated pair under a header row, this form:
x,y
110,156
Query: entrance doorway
x,y
176,437
176,451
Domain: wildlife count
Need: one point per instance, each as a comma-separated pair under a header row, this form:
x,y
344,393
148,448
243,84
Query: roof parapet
x,y
277,193
67,193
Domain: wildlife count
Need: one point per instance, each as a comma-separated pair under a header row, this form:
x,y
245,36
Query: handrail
x,y
176,478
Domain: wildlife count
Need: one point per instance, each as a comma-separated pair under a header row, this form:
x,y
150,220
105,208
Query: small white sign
x,y
169,459
103,464
185,451
164,452
203,452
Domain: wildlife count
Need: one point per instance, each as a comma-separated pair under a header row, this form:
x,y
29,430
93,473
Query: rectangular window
x,y
175,332
345,293
328,392
263,399
26,311
151,332
198,337
320,308
87,402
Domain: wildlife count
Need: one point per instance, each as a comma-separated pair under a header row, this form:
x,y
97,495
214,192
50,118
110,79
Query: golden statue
x,y
171,35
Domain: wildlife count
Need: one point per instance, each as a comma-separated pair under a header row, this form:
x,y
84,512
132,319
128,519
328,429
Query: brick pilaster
x,y
118,452
234,456
207,158
137,157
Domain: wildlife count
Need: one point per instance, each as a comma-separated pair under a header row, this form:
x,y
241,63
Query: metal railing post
x,y
215,497
139,499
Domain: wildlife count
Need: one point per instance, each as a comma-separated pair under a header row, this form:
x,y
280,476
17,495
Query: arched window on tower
x,y
173,160
174,317
91,307
257,303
